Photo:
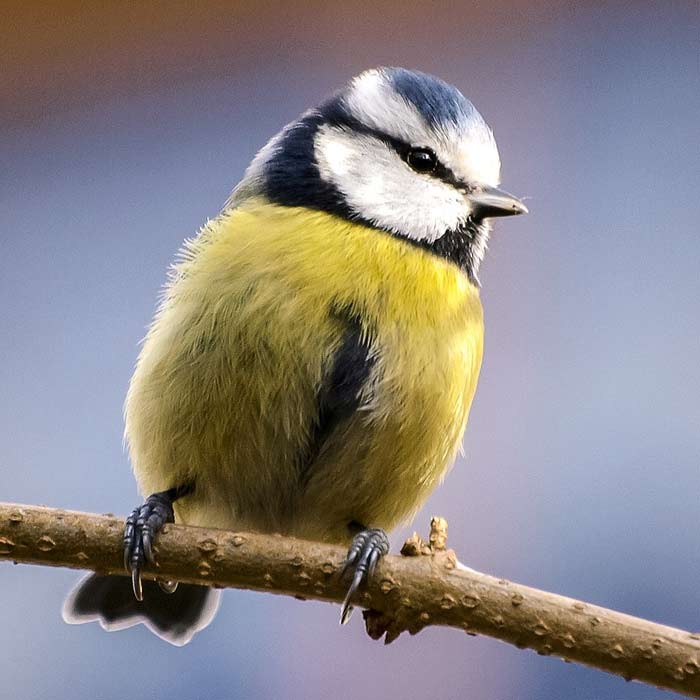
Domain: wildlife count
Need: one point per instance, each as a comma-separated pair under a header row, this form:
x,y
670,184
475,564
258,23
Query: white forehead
x,y
466,146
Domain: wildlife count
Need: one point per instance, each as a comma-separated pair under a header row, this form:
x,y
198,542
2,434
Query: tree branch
x,y
426,586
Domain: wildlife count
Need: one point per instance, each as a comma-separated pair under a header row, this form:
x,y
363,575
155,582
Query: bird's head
x,y
398,150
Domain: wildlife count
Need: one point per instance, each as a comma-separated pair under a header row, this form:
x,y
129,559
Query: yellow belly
x,y
224,392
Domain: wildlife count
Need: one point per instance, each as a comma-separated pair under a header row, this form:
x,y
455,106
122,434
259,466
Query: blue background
x,y
123,129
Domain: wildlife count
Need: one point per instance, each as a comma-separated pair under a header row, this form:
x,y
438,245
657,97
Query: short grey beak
x,y
490,201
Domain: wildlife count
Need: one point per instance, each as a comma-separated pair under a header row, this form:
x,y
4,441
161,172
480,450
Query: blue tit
x,y
312,364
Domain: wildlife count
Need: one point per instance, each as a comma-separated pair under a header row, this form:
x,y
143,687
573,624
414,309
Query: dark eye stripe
x,y
346,121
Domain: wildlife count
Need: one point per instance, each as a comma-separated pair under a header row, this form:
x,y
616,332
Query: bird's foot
x,y
140,530
366,550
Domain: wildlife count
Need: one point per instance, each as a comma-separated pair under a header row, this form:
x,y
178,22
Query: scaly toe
x,y
140,529
366,550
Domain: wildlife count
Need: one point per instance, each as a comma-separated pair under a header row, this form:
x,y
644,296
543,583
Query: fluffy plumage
x,y
313,361
228,380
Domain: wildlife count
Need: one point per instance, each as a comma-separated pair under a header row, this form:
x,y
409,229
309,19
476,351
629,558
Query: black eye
x,y
422,160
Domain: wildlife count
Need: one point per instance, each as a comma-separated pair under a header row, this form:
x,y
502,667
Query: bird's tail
x,y
110,600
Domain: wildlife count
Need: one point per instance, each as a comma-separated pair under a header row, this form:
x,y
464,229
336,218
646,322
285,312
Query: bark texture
x,y
425,586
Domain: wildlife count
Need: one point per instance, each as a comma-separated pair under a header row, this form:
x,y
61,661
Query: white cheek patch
x,y
337,157
378,186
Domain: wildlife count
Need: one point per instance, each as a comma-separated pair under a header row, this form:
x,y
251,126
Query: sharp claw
x,y
136,584
356,580
140,529
365,552
128,541
346,612
347,608
168,586
146,544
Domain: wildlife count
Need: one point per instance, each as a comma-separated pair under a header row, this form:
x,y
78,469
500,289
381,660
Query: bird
x,y
312,363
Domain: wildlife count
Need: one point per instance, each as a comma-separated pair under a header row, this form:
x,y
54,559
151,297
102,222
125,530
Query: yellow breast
x,y
225,389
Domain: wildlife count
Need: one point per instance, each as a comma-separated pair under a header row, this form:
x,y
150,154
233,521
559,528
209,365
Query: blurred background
x,y
123,126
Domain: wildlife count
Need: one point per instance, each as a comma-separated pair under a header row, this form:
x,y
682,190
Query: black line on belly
x,y
338,396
